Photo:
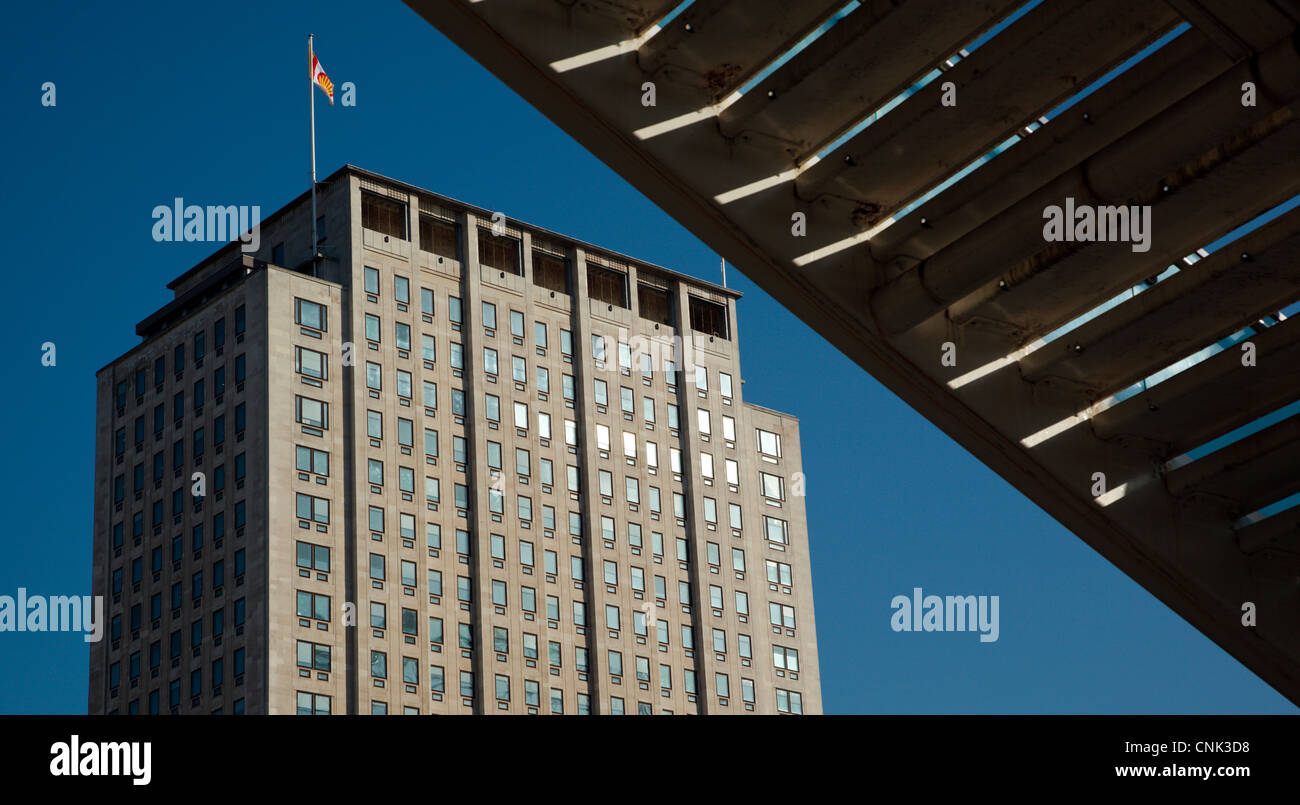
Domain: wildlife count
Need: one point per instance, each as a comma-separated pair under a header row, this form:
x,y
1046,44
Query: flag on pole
x,y
321,80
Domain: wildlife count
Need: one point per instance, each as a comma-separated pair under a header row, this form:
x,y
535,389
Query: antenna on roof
x,y
724,271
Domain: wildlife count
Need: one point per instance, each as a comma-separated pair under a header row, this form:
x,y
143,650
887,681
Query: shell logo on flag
x,y
320,79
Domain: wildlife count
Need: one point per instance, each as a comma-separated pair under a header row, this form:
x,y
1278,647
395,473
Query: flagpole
x,y
311,94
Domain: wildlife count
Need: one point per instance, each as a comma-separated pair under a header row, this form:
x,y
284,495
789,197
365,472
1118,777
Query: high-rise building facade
x,y
457,464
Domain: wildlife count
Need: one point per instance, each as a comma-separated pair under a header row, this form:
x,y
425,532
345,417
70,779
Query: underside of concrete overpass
x,y
886,170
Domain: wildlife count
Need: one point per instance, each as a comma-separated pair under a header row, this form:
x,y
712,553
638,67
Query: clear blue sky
x,y
208,102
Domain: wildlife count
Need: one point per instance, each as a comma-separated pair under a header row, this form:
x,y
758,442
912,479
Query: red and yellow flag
x,y
319,78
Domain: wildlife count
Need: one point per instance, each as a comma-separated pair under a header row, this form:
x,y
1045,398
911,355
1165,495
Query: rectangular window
x,y
312,412
309,459
498,252
787,659
769,444
773,486
440,238
313,557
312,605
708,317
313,508
779,573
777,530
550,272
384,215
781,615
656,304
313,655
309,362
309,314
606,285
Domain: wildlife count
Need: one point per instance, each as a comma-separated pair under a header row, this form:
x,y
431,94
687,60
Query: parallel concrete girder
x,y
969,266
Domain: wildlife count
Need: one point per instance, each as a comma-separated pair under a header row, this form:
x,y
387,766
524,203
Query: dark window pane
x,y
383,215
604,285
498,253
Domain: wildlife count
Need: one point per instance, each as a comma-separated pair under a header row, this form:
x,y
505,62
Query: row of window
x,y
308,703
315,413
141,379
154,699
778,573
178,408
158,521
503,253
216,680
212,487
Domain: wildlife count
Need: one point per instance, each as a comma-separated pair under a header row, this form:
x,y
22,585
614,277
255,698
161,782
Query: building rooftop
x,y
473,208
